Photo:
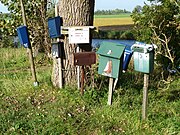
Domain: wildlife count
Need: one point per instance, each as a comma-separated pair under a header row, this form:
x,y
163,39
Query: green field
x,y
45,110
127,15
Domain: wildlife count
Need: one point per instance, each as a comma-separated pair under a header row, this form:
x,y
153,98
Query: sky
x,y
106,4
129,5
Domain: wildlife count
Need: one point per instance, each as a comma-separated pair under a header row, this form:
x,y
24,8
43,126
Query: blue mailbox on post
x,y
23,36
54,26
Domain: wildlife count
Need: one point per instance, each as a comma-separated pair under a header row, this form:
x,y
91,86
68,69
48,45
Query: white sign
x,y
78,35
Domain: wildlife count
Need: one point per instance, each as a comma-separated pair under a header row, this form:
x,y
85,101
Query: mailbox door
x,y
55,50
54,25
144,62
23,36
84,58
109,66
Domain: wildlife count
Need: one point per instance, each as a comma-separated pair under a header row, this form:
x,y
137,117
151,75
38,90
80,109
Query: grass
x,y
127,15
25,109
108,20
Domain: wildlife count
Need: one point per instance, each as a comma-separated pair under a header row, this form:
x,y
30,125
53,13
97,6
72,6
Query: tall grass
x,y
25,109
12,58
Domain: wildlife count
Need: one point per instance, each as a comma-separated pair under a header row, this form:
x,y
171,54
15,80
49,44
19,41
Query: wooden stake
x,y
29,49
145,96
82,80
60,73
110,94
78,71
60,58
115,83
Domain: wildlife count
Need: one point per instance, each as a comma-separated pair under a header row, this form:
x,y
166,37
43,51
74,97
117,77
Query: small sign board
x,y
78,35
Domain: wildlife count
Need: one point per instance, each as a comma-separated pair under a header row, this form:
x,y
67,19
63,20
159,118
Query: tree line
x,y
111,12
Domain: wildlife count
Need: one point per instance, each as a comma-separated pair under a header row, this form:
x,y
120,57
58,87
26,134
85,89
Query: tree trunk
x,y
73,13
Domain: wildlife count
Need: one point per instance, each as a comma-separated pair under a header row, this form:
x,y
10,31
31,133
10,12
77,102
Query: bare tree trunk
x,y
73,13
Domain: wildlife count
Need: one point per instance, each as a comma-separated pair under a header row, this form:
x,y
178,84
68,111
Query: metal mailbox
x,y
143,57
110,59
84,58
23,36
57,50
54,26
79,35
127,58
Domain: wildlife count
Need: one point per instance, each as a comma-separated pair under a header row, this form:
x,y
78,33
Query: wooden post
x,y
60,72
29,49
82,80
145,96
110,94
78,71
115,83
60,58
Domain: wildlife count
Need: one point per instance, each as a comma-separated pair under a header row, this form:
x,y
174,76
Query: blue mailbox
x,y
23,36
54,26
127,58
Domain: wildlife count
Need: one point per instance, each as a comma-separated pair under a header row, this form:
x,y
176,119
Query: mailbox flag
x,y
23,36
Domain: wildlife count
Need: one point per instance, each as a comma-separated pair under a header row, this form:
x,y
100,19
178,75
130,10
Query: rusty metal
x,y
84,58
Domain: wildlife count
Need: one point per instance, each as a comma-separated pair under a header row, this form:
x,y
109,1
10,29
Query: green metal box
x,y
143,58
110,59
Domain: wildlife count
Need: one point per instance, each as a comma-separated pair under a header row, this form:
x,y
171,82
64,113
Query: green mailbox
x,y
110,59
143,57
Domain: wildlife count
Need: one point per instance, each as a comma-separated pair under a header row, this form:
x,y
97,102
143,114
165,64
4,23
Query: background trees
x,y
111,12
36,15
159,23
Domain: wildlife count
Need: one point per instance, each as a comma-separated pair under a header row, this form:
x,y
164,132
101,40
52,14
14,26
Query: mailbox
x,y
54,26
127,58
84,58
57,50
143,57
79,35
110,59
23,36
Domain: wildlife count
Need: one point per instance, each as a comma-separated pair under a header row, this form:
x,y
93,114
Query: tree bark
x,y
73,13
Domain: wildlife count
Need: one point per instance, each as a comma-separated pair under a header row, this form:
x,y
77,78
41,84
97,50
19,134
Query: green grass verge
x,y
25,109
127,15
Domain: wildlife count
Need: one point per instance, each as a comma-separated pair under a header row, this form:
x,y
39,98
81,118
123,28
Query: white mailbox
x,y
79,35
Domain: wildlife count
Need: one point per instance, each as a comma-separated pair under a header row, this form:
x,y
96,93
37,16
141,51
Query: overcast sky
x,y
107,4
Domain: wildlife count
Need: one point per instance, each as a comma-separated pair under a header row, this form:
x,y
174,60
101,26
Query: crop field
x,y
113,16
111,20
